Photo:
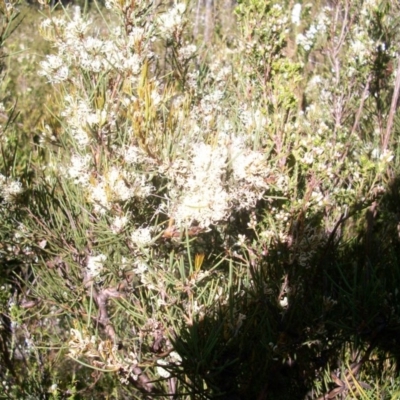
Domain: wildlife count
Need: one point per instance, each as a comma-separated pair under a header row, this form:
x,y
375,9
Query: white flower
x,y
9,189
376,152
75,114
133,64
120,189
79,168
175,358
141,268
162,371
115,186
125,263
119,224
172,20
141,237
95,265
386,156
99,196
308,158
296,14
136,35
53,388
213,180
241,240
284,302
54,69
76,28
184,53
132,155
323,21
199,193
97,118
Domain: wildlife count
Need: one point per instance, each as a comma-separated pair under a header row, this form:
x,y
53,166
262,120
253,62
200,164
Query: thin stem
x,y
393,108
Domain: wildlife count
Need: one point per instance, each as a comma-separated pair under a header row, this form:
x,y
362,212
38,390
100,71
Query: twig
x,y
393,107
101,297
360,109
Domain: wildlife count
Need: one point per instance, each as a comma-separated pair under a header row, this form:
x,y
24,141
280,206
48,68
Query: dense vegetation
x,y
200,204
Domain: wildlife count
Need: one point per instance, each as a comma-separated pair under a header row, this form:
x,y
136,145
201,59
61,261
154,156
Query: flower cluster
x,y
170,23
101,354
215,181
116,185
95,265
9,189
307,40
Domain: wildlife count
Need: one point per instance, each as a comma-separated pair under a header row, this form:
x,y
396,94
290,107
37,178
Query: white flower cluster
x,y
279,17
133,155
119,223
362,46
141,270
214,181
93,122
54,69
250,175
116,185
80,343
79,169
9,189
209,104
296,14
199,193
95,265
308,39
185,53
141,237
172,359
170,22
78,50
77,113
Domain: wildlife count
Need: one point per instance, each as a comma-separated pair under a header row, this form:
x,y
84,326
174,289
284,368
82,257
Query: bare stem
x,y
101,297
360,109
393,107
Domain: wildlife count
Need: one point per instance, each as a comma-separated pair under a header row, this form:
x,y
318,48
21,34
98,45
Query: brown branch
x,y
393,108
360,109
101,297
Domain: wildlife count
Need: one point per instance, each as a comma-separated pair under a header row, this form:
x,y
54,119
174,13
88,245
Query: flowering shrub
x,y
177,214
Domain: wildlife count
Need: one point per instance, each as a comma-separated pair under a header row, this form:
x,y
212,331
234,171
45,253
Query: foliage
x,y
193,222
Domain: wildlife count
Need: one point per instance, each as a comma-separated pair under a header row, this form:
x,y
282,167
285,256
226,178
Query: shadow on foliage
x,y
341,326
340,329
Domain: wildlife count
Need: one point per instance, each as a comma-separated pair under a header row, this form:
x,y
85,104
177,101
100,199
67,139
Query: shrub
x,y
193,223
